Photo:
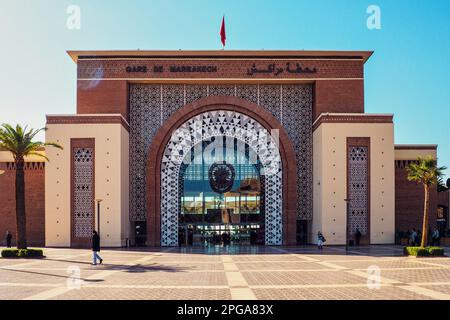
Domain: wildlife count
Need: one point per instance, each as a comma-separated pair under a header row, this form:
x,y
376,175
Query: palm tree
x,y
426,172
19,142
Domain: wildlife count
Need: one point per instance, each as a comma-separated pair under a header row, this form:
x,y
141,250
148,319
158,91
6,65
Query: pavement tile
x,y
300,278
384,293
147,294
226,273
422,275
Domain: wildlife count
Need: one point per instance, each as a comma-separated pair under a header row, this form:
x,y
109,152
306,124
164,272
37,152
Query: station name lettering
x,y
270,69
193,69
142,69
172,69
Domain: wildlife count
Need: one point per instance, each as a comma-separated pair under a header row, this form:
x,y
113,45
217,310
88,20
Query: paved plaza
x,y
227,273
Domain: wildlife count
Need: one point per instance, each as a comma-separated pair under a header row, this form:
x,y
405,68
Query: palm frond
x,y
37,154
19,140
35,132
425,171
33,146
53,144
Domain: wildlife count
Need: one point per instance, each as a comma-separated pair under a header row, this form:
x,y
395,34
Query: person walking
x,y
413,237
320,240
224,239
8,239
190,237
96,248
435,237
358,236
418,237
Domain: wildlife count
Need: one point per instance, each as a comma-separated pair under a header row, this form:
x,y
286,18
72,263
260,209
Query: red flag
x,y
223,35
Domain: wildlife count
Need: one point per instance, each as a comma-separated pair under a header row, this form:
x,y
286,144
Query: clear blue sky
x,y
408,75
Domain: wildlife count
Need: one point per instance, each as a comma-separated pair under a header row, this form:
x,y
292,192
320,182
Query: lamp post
x,y
347,202
98,215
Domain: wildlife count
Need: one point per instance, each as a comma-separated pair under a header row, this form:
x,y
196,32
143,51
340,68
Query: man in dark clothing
x,y
435,237
418,238
182,237
357,237
224,239
190,236
8,239
96,248
253,237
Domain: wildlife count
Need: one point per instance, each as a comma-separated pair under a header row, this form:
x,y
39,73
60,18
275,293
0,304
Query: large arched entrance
x,y
218,163
209,181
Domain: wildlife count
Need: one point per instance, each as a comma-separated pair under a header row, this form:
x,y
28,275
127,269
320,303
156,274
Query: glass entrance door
x,y
221,235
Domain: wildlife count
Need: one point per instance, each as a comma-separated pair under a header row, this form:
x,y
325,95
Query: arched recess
x,y
190,111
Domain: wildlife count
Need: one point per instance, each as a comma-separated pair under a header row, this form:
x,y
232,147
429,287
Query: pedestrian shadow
x,y
138,268
70,261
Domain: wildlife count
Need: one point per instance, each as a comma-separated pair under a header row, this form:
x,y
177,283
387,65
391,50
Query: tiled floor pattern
x,y
227,273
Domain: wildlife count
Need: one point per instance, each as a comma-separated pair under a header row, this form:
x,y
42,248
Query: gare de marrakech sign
x,y
272,68
219,69
147,66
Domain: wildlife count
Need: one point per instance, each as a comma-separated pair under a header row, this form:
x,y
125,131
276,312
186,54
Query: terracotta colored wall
x,y
409,197
102,96
443,198
35,205
338,96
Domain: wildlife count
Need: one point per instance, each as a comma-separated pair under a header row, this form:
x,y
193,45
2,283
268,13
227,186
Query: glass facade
x,y
222,194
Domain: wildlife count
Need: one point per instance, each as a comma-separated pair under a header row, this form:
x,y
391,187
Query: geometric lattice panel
x,y
152,104
358,189
296,117
83,193
221,123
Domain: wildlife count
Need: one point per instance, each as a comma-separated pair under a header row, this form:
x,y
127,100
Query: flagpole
x,y
223,44
222,32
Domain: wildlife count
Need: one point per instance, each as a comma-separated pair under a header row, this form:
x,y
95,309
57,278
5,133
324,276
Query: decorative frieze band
x,y
352,118
88,119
